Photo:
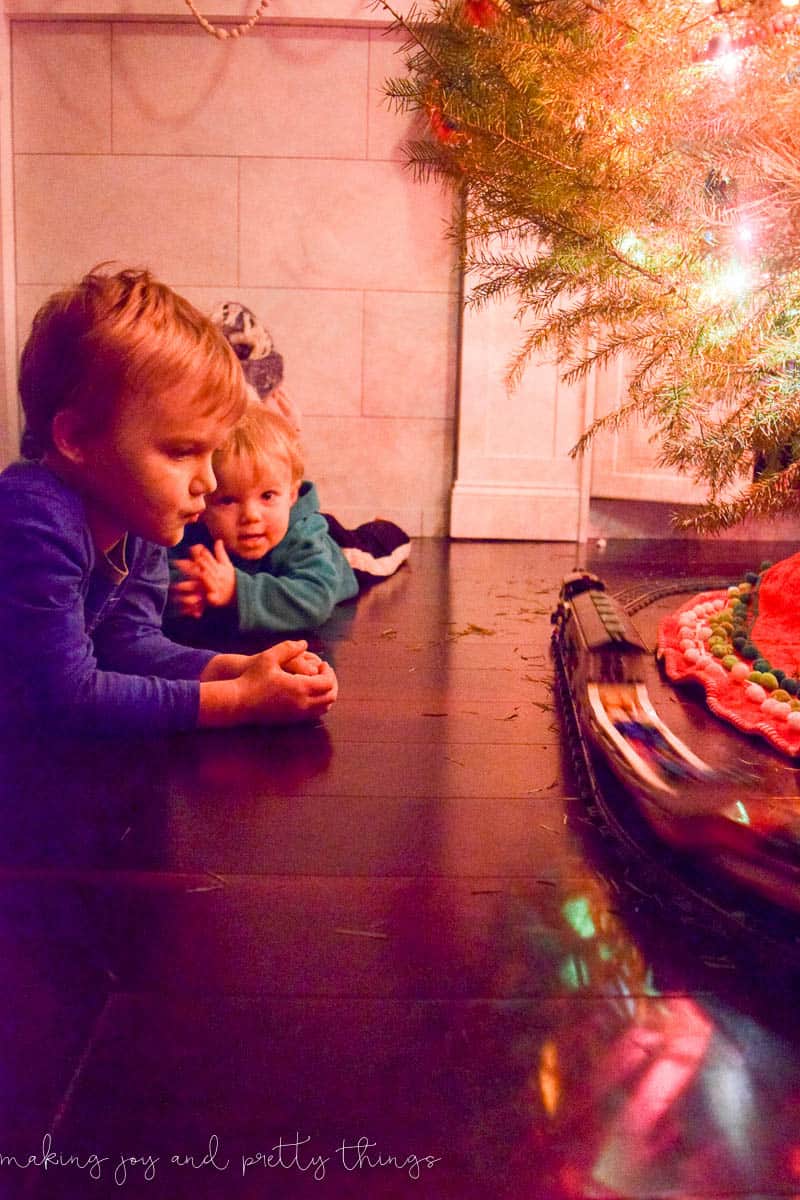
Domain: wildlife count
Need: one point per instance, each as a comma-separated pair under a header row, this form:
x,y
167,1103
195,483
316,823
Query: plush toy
x,y
253,346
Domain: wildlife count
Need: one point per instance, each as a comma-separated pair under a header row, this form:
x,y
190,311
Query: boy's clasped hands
x,y
285,684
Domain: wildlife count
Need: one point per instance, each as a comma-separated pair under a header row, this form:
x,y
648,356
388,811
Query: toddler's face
x,y
149,472
249,511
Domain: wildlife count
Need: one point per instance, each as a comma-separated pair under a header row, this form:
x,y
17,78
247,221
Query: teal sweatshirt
x,y
296,585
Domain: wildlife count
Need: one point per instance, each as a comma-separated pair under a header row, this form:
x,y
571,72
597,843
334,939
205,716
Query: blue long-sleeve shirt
x,y
81,646
295,586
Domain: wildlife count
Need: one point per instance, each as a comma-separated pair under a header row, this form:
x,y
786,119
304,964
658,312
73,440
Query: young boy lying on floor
x,y
376,549
127,392
261,557
261,554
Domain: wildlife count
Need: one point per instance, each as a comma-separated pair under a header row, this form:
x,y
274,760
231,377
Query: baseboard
x,y
514,511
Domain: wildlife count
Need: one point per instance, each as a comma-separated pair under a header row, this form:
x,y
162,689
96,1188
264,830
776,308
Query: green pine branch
x,y
613,172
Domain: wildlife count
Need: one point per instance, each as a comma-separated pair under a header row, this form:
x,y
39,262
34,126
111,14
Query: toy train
x,y
604,657
707,814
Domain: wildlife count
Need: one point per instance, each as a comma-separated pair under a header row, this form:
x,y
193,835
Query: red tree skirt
x,y
694,643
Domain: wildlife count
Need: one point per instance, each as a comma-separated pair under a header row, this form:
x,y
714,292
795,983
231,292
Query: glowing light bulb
x,y
721,55
732,283
727,64
735,280
632,247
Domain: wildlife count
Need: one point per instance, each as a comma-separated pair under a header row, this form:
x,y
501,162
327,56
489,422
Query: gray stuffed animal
x,y
252,344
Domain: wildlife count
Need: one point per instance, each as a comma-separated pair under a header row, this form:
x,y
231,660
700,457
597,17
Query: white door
x,y
624,465
514,475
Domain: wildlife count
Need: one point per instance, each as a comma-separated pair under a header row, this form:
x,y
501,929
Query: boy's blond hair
x,y
120,335
258,438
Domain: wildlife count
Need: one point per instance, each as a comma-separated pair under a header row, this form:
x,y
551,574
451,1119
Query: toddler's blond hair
x,y
258,438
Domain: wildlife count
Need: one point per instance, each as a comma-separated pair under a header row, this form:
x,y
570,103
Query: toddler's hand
x,y
187,598
279,402
214,573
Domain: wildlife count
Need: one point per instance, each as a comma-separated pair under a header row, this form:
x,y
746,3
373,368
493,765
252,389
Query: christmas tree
x,y
631,176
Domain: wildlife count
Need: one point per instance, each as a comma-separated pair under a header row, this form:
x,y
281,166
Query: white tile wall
x,y
324,223
270,171
174,214
386,128
388,467
278,93
62,103
408,371
316,12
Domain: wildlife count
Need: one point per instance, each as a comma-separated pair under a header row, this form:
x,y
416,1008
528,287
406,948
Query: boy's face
x,y
149,471
250,510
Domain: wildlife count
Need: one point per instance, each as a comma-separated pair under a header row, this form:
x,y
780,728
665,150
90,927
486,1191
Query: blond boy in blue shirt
x,y
127,392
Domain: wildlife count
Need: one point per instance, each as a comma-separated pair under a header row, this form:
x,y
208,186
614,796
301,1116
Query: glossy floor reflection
x,y
387,957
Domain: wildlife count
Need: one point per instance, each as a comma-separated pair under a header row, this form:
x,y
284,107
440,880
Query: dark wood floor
x,y
395,927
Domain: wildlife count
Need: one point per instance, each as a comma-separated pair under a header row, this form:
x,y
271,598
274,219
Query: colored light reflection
x,y
632,246
549,1077
577,912
574,973
656,1064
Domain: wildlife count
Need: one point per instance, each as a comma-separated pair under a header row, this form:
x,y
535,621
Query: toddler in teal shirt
x,y
262,551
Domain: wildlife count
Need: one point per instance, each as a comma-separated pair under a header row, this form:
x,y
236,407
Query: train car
x,y
604,655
